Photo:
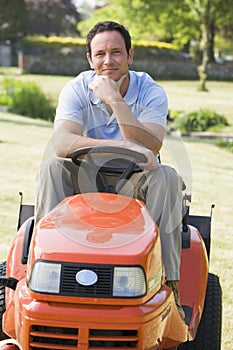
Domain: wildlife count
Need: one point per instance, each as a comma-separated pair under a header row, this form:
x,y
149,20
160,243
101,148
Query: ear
x,y
89,60
130,56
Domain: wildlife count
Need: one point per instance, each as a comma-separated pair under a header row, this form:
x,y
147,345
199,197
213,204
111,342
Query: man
x,y
111,105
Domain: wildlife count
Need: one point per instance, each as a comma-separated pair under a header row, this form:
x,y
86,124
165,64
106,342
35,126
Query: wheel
x,y
2,300
208,335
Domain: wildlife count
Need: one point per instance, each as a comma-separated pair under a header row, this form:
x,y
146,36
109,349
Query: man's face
x,y
109,56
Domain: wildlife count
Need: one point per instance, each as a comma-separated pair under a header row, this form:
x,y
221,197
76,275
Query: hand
x,y
107,89
152,161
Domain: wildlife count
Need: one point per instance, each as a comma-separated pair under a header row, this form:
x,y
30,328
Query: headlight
x,y
45,277
129,282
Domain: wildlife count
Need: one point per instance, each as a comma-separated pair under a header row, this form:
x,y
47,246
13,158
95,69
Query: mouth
x,y
109,70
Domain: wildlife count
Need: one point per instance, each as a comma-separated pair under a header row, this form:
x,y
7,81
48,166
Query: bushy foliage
x,y
26,98
48,17
200,120
13,19
53,42
56,42
225,144
6,90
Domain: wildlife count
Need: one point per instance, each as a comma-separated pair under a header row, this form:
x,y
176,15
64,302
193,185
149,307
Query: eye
x,y
116,52
99,54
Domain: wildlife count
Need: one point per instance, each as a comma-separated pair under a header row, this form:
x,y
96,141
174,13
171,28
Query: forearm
x,y
134,130
131,128
66,141
65,145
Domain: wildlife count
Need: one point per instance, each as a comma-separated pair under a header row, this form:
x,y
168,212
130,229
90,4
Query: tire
x,y
2,300
208,335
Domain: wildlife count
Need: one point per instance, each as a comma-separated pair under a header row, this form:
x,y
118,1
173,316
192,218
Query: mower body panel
x,y
102,230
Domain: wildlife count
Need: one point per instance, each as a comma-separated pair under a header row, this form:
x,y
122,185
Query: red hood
x,y
96,221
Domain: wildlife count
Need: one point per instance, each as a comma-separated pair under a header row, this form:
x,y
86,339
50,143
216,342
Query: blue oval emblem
x,y
86,277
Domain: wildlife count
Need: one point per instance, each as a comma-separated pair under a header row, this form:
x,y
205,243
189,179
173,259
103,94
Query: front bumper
x,y
50,325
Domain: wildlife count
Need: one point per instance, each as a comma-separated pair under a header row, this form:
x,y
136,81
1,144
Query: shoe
x,y
174,287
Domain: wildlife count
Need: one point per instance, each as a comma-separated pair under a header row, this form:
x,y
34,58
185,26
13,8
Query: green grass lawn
x,y
182,95
207,169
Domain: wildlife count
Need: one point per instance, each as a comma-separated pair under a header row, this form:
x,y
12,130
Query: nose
x,y
108,59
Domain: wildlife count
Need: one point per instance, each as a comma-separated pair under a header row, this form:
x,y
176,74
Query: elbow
x,y
61,154
158,147
60,150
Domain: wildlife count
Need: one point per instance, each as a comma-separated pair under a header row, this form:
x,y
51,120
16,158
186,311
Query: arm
x,y
148,135
68,137
145,138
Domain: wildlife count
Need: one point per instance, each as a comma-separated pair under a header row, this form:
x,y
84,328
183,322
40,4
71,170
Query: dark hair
x,y
108,25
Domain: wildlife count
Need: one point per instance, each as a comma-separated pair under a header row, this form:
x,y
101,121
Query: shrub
x,y
53,42
57,42
6,91
200,120
27,99
5,99
225,144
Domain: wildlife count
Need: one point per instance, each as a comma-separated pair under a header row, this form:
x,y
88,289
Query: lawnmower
x,y
89,275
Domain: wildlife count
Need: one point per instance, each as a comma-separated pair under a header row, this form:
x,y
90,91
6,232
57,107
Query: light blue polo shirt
x,y
146,99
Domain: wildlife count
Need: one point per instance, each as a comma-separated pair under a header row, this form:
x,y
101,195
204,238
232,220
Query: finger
x,y
149,165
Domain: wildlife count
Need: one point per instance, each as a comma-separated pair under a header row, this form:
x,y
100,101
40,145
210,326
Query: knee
x,y
48,165
171,176
169,171
51,168
55,163
163,173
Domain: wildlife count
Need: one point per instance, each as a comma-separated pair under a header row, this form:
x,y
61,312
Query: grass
x,y
22,146
182,95
212,173
207,169
22,141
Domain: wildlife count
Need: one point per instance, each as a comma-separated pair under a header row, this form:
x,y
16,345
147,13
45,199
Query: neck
x,y
124,86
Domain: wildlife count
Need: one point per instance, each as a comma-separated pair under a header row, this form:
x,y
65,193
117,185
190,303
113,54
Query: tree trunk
x,y
205,44
202,69
211,41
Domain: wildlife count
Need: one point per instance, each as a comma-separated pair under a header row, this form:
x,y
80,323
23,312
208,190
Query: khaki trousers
x,y
160,189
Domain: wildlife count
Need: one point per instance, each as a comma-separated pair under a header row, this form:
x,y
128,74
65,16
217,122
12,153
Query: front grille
x,y
61,338
102,288
125,339
53,338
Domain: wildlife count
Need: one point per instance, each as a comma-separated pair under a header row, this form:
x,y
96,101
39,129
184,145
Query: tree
x,y
148,20
203,12
52,17
13,19
179,21
210,15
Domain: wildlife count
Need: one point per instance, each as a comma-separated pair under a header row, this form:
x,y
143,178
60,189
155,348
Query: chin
x,y
112,75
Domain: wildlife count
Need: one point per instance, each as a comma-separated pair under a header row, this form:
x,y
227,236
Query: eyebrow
x,y
112,49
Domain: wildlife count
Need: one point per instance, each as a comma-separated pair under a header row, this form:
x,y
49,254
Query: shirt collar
x,y
132,92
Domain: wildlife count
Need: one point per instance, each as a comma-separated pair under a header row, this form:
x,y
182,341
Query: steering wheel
x,y
124,165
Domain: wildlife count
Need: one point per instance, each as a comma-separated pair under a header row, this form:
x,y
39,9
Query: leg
x,y
160,189
58,178
164,200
